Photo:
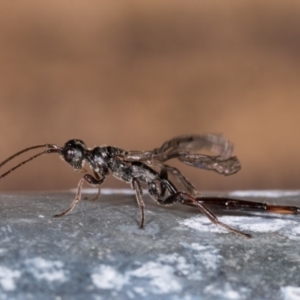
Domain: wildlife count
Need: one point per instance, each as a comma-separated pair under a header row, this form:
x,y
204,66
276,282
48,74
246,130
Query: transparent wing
x,y
181,148
218,164
215,143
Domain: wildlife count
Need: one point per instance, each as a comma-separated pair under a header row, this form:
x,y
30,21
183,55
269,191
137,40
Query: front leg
x,y
89,179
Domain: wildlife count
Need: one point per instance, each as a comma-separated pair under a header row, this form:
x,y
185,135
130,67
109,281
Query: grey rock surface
x,y
98,252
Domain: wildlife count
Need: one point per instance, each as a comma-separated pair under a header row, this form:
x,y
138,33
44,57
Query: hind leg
x,y
187,199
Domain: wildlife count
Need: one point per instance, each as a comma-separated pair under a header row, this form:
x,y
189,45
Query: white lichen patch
x,y
266,193
201,223
290,292
256,224
160,277
106,277
245,224
206,254
163,275
3,251
140,291
294,232
49,270
227,292
178,262
8,277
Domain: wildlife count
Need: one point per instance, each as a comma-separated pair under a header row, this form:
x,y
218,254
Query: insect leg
x,y
139,193
236,204
98,194
163,174
185,198
88,178
179,177
77,198
99,187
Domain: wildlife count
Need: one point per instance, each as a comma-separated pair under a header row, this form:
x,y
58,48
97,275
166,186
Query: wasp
x,y
149,168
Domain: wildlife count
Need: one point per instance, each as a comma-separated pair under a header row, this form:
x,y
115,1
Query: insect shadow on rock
x,y
149,168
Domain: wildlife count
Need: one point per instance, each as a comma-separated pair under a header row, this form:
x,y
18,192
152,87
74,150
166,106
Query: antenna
x,y
52,149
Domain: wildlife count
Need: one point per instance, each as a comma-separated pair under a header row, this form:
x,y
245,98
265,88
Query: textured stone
x,y
98,252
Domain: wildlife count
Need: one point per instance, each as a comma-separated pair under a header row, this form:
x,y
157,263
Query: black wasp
x,y
149,168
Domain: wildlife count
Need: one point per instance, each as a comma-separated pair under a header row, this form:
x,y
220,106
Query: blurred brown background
x,y
136,73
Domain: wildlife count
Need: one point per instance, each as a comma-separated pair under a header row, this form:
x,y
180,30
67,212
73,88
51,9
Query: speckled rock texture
x,y
98,252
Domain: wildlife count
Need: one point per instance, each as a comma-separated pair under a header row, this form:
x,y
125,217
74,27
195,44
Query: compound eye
x,y
74,154
68,154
